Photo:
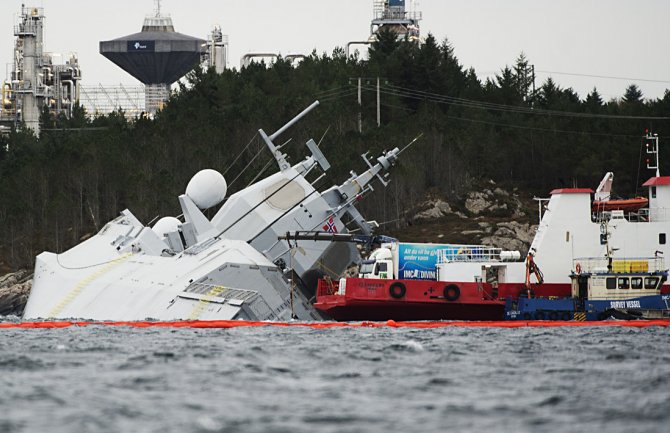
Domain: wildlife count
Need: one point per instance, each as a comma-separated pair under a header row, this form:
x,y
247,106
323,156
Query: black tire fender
x,y
452,292
397,290
539,315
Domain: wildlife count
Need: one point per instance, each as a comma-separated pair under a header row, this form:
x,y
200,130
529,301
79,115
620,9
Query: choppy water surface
x,y
99,379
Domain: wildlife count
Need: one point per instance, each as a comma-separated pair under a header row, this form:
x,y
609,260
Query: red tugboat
x,y
419,293
471,282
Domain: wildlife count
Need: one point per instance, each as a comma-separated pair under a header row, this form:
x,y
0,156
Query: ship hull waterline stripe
x,y
224,324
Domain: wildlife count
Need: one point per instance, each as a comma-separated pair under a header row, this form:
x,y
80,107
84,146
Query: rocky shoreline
x,y
14,291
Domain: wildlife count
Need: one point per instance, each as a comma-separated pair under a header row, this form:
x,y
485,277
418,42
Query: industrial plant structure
x,y
37,78
393,15
157,56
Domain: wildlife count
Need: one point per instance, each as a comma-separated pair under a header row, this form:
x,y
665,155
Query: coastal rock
x,y
14,291
512,235
486,227
478,201
501,192
436,209
472,232
497,202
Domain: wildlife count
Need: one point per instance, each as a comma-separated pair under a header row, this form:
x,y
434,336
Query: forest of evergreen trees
x,y
82,172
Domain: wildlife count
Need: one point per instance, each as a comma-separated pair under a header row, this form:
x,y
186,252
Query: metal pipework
x,y
355,43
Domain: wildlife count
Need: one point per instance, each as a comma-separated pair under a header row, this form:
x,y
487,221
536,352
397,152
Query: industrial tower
x,y
393,15
157,56
36,79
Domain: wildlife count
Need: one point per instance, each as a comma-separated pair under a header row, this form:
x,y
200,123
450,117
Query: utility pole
x,y
360,108
379,116
532,68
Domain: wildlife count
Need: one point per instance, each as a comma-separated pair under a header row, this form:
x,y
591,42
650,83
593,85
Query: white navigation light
x,y
166,225
207,188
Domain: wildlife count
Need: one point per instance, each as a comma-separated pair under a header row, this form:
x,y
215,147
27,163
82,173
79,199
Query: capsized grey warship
x,y
230,267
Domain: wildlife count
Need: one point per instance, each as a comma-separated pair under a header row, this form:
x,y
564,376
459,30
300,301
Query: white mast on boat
x,y
652,149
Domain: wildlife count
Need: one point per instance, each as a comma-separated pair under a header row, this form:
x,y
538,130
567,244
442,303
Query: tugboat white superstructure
x,y
571,227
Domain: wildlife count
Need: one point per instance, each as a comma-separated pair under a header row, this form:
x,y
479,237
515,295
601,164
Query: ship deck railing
x,y
469,253
327,287
642,215
397,15
595,265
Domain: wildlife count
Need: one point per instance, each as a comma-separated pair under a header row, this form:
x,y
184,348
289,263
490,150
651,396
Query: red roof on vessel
x,y
572,191
663,180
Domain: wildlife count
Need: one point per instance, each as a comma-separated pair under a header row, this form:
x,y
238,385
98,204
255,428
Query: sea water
x,y
269,379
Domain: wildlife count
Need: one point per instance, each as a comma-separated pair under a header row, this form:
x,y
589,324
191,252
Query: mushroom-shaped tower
x,y
157,56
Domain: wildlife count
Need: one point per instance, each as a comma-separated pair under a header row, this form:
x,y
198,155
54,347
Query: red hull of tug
x,y
373,299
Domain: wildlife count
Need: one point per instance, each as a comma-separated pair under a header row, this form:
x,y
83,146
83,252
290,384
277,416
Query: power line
x,y
605,77
469,103
528,128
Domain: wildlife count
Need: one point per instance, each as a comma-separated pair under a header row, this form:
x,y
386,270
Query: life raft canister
x,y
452,292
397,290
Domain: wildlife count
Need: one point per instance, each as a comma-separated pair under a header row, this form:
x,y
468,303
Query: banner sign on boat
x,y
418,261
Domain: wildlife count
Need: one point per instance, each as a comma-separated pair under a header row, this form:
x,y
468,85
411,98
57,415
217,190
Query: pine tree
x,y
633,95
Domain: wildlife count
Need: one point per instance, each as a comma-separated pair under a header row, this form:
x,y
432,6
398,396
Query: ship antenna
x,y
410,143
158,8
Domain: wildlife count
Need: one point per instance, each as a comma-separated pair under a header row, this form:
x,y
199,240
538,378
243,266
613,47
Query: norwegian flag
x,y
330,226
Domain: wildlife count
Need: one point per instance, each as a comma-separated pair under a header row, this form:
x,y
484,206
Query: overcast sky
x,y
612,38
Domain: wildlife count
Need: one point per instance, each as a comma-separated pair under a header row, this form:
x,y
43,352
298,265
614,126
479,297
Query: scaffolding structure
x,y
102,100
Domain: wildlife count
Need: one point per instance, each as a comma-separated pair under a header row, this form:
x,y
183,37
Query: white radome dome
x,y
207,188
166,225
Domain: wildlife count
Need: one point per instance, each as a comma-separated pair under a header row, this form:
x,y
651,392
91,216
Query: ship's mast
x,y
605,239
653,151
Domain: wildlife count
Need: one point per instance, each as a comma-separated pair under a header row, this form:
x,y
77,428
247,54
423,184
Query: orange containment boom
x,y
223,324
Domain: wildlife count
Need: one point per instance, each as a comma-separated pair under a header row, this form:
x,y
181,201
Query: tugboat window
x,y
650,283
661,238
610,283
653,192
623,283
636,283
